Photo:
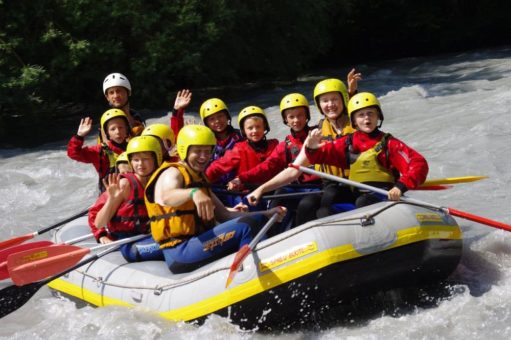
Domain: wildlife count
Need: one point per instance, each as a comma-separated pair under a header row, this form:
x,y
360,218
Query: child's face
x,y
143,163
296,118
117,96
123,168
331,104
117,130
366,119
218,122
253,128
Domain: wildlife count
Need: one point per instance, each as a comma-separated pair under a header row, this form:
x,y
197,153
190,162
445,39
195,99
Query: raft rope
x,y
159,289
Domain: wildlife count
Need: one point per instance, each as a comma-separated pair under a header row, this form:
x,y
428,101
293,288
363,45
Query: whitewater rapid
x,y
455,110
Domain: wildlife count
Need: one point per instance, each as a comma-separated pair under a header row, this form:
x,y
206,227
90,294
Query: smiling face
x,y
117,130
366,119
331,105
218,122
143,163
296,118
117,96
254,128
198,157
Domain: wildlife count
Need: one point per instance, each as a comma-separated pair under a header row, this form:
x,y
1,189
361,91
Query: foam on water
x,y
455,110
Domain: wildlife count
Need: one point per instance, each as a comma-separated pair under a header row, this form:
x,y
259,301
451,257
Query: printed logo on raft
x,y
290,255
429,218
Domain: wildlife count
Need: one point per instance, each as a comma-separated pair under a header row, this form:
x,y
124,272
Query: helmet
x,y
361,101
330,85
111,114
294,100
145,144
122,158
193,135
252,111
161,131
116,79
212,106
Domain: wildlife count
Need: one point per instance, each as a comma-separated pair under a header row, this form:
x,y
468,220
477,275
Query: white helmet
x,y
116,79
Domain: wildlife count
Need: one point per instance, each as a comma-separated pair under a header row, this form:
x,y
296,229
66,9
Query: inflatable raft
x,y
289,278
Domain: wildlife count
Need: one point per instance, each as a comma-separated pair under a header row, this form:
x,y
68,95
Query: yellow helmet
x,y
111,114
145,144
331,85
252,111
212,106
122,158
294,100
193,135
162,131
361,101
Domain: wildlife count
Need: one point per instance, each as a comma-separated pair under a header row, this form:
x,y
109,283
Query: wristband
x,y
193,192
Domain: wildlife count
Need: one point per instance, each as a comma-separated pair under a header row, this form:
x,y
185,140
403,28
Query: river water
x,y
455,110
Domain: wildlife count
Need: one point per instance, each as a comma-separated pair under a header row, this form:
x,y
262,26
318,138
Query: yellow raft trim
x,y
270,280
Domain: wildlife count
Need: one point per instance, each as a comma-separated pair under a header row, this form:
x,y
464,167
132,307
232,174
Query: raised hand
x,y
353,79
111,183
85,127
183,99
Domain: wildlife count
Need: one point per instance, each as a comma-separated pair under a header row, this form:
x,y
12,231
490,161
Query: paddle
x,y
452,211
20,239
4,273
36,264
247,249
13,297
452,180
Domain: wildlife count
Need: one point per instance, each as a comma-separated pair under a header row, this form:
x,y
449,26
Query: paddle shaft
x,y
452,211
20,239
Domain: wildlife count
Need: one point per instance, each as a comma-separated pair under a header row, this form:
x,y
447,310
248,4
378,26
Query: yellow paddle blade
x,y
453,180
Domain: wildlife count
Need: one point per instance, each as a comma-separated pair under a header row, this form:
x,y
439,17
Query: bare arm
x,y
222,214
169,191
284,177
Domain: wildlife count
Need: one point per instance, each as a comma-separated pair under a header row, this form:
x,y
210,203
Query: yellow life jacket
x,y
172,225
330,134
366,168
112,156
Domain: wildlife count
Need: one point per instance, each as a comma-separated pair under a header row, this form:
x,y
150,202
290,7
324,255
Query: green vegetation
x,y
55,53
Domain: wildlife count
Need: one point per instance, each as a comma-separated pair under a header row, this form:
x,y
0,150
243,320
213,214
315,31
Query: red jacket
x,y
131,217
177,120
411,165
241,158
92,154
282,155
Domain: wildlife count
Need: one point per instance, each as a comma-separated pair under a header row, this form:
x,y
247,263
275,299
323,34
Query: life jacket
x,y
226,144
112,158
365,167
330,134
131,217
294,144
173,225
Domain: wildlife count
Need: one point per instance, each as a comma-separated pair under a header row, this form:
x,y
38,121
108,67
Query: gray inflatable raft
x,y
288,278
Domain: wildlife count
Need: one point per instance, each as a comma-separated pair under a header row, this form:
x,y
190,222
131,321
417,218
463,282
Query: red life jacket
x,y
131,217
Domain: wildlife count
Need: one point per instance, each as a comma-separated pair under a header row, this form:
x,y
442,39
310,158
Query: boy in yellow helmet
x,y
115,126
